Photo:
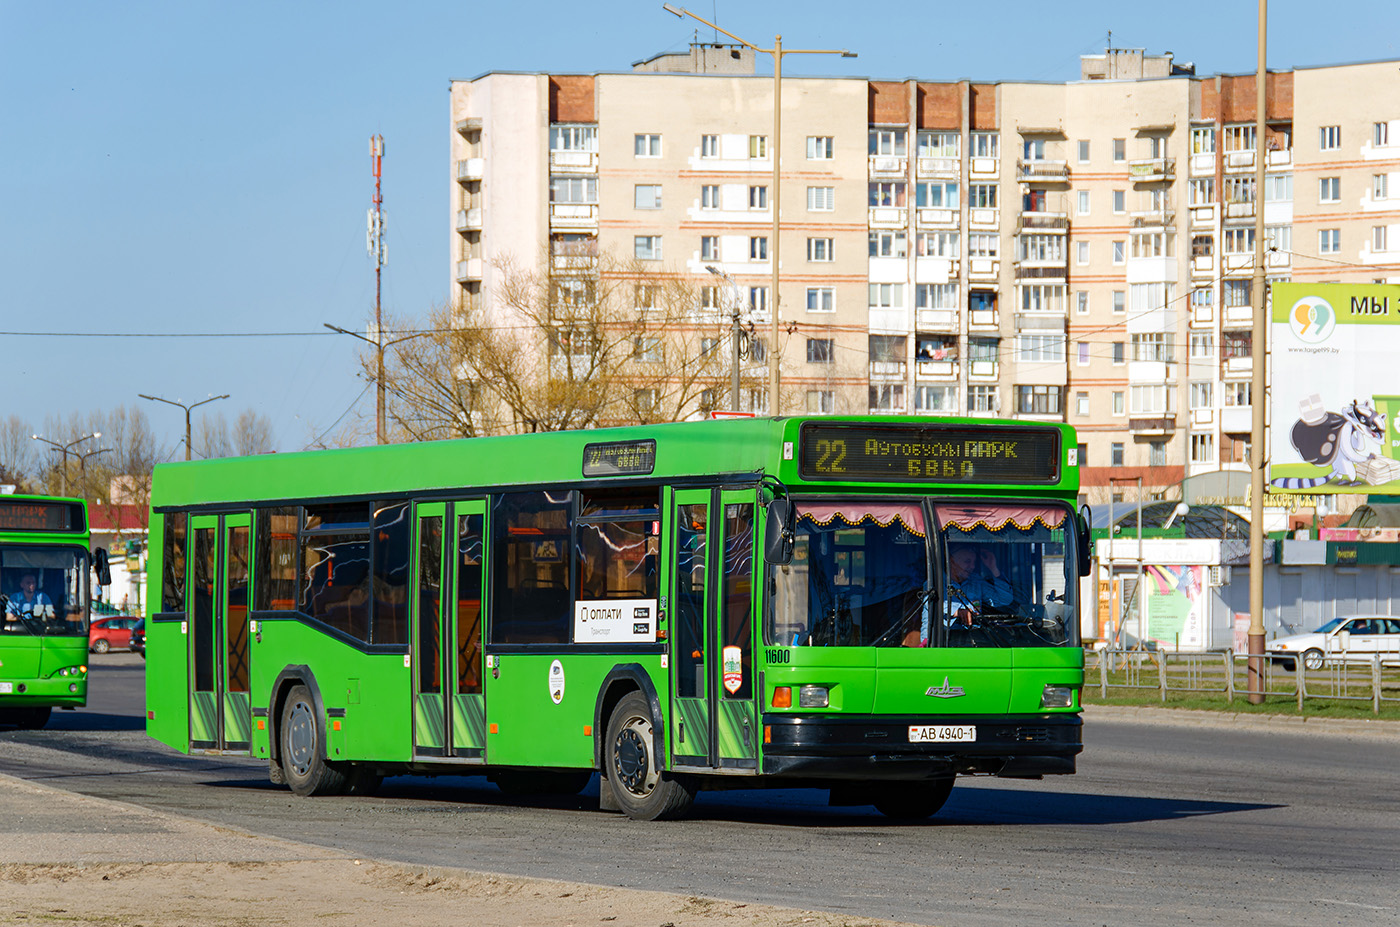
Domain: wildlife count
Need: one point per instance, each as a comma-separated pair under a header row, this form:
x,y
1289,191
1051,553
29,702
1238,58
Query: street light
x,y
379,346
733,335
64,449
187,408
777,51
82,464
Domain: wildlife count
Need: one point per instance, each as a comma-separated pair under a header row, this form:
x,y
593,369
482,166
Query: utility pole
x,y
64,449
379,253
735,334
1257,386
187,408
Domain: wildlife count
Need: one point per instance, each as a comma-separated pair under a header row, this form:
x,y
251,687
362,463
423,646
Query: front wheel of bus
x,y
913,801
643,792
303,755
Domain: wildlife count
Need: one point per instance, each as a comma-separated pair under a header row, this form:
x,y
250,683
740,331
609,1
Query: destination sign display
x,y
620,458
928,454
33,515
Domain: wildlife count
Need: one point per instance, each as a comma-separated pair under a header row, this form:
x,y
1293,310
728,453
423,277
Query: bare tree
x,y
211,437
18,458
252,434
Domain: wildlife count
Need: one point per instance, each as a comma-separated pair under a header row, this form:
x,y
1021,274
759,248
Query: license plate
x,y
7,687
942,733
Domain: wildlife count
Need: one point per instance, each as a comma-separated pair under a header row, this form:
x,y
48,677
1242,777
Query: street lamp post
x,y
379,345
64,449
777,51
733,335
82,465
187,408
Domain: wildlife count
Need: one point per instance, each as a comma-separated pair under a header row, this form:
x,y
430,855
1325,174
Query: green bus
x,y
871,606
44,600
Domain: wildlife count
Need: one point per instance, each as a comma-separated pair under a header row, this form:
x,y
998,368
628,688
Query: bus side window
x,y
530,561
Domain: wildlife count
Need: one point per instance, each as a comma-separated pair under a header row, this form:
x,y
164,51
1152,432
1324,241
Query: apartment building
x,y
1077,252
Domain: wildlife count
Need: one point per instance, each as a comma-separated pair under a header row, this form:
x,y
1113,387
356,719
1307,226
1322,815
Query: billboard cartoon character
x,y
1339,440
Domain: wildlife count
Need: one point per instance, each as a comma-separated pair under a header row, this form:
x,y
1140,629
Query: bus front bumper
x,y
869,747
58,691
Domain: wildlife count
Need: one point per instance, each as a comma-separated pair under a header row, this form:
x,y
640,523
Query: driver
x,y
29,601
974,582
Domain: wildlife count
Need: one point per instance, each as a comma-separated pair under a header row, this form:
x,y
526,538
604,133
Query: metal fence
x,y
1346,677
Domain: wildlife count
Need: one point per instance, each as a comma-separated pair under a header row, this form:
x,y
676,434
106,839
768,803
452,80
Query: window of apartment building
x,y
887,397
820,350
1236,344
1156,453
821,299
710,298
647,247
1239,189
1237,392
886,296
1204,297
1380,134
1202,346
821,199
707,401
887,141
1239,138
983,245
888,193
1203,448
1379,238
821,147
1081,454
1154,346
1203,140
1380,186
1202,246
1043,248
1153,244
644,297
709,196
646,350
1329,138
647,196
1082,347
936,244
573,138
983,350
1117,402
819,250
758,147
938,144
1119,301
936,194
931,400
758,302
1329,189
1202,394
1120,202
1119,249
758,197
646,146
1239,241
888,243
1081,404
982,195
1043,297
1329,241
1120,149
1119,353
1082,206
758,248
821,401
936,296
1038,400
709,248
1235,293
888,350
644,399
1278,237
983,145
1083,151
1081,302
1040,349
1278,188
577,190
1201,191
981,399
1151,399
709,146
1115,455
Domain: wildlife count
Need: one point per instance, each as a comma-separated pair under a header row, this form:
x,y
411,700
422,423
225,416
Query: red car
x,y
111,633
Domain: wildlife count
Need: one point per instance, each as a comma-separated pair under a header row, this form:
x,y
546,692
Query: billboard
x,y
1336,389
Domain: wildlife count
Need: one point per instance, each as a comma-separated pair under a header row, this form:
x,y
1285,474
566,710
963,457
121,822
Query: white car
x,y
1347,638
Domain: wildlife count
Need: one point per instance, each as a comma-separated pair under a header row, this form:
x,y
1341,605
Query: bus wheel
x,y
642,791
913,801
303,755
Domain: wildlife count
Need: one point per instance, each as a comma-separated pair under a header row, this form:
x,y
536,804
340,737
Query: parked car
x,y
1344,639
111,633
138,638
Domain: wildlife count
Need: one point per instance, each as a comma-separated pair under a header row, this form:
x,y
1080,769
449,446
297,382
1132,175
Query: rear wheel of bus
x,y
643,792
913,801
304,764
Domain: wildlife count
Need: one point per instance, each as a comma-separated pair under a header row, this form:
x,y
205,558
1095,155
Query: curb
x,y
1292,724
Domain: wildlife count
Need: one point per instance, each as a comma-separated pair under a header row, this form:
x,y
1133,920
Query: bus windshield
x,y
44,590
860,576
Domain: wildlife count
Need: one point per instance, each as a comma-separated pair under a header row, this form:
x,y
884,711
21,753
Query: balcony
x,y
1281,158
937,370
938,167
982,370
573,216
1203,215
1152,218
468,270
936,216
1202,315
983,269
888,166
1152,170
984,167
936,320
469,220
469,125
983,319
887,370
1234,419
1239,316
1041,171
573,162
983,217
1239,160
1042,270
573,261
1239,210
1203,266
1236,367
1043,221
888,217
1278,260
469,169
1236,263
1202,165
1158,425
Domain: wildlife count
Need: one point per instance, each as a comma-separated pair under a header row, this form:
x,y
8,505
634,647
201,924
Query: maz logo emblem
x,y
945,690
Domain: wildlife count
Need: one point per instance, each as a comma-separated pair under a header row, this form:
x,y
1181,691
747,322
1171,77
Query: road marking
x,y
1354,904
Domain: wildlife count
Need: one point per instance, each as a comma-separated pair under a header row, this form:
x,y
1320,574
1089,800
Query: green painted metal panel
x,y
737,729
238,719
167,684
468,722
204,717
429,722
691,727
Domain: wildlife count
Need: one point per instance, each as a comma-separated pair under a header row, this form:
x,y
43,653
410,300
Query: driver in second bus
x,y
29,601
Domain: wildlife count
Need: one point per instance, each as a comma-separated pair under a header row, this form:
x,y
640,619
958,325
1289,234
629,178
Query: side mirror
x,y
1086,542
777,541
104,570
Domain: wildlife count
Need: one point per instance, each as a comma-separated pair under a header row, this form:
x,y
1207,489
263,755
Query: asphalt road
x,y
1165,824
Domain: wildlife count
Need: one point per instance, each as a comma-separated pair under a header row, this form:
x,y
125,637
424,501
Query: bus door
x,y
449,712
220,707
713,712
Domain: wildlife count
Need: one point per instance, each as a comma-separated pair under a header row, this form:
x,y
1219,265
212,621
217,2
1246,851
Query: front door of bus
x,y
220,709
713,713
449,710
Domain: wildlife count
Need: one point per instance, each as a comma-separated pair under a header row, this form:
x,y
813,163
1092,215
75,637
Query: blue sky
x,y
199,167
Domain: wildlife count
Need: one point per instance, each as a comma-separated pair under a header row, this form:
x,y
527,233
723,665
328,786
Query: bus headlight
x,y
813,697
1057,697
